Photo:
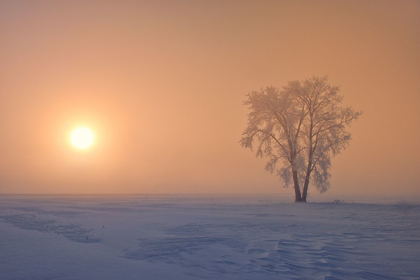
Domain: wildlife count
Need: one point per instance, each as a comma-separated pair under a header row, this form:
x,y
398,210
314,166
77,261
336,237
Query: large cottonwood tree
x,y
299,128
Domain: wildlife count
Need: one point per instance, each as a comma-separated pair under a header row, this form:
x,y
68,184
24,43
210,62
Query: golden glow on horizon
x,y
82,138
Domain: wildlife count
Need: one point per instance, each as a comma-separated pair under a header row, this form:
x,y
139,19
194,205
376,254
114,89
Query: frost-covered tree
x,y
300,126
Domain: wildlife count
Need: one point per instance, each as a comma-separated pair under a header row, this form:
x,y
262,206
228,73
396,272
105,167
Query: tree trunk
x,y
309,169
306,184
298,197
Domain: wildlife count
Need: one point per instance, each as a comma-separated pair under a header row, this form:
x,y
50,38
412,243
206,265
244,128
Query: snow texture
x,y
180,237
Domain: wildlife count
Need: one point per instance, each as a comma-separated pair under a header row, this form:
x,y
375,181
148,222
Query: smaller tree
x,y
301,126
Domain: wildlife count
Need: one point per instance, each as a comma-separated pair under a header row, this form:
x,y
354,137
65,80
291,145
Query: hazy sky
x,y
162,83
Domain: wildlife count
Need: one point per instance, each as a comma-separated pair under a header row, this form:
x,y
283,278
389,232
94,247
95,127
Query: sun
x,y
82,138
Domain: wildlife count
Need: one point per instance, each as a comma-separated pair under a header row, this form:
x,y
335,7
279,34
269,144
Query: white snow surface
x,y
189,237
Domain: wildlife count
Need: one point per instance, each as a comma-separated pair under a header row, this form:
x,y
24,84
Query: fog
x,y
161,84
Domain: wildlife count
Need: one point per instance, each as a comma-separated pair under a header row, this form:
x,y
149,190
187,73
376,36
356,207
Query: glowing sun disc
x,y
82,138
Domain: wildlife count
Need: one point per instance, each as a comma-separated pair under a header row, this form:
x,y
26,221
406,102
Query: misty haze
x,y
209,139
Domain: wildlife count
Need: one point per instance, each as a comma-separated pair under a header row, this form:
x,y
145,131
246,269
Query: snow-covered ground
x,y
181,237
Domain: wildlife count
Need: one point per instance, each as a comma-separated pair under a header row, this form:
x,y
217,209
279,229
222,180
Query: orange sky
x,y
162,84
